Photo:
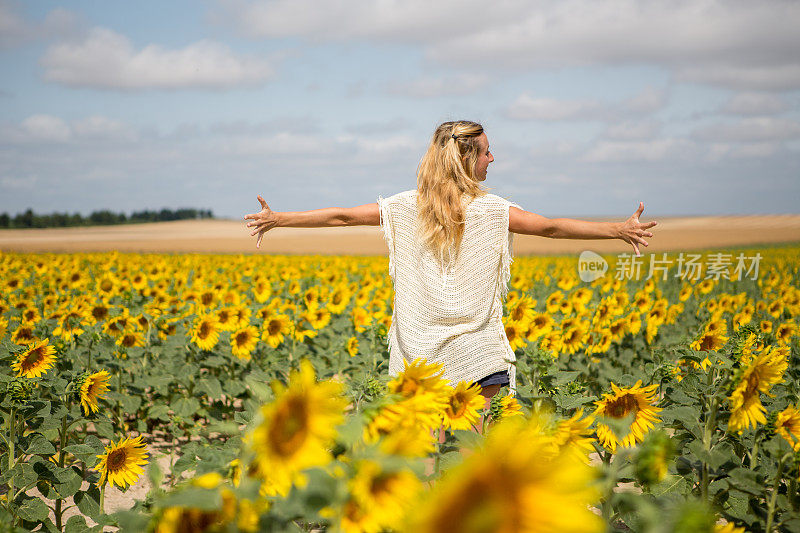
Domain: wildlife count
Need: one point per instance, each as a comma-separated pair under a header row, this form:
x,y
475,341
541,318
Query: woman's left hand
x,y
632,231
263,221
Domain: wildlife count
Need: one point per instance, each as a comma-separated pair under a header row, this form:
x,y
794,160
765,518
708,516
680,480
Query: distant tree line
x,y
104,217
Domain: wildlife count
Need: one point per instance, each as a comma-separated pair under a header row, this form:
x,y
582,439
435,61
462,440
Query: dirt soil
x,y
231,236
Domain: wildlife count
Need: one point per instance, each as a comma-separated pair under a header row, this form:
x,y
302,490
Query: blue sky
x,y
691,106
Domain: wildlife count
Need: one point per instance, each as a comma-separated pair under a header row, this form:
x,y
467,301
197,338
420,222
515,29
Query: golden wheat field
x,y
232,391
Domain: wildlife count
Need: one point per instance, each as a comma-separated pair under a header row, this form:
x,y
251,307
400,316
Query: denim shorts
x,y
498,378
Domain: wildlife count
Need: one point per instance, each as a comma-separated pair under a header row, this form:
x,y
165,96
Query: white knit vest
x,y
450,315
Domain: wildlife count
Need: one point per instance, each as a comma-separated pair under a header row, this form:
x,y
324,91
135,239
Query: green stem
x,y
12,437
774,497
438,450
793,494
61,458
708,436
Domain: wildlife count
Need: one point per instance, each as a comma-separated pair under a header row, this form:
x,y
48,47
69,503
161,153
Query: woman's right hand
x,y
263,221
632,231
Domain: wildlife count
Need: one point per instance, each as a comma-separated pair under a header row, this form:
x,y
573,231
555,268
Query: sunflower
x,y
759,376
553,301
787,426
121,464
541,324
515,335
92,388
319,318
361,318
71,324
523,310
404,429
262,290
784,332
634,323
99,311
352,346
205,333
244,341
35,360
623,402
574,435
464,405
311,298
303,330
24,335
508,487
419,378
379,498
227,319
709,342
573,339
339,300
275,328
132,338
296,429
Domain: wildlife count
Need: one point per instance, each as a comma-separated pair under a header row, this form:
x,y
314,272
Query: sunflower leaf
x,y
84,452
37,444
88,502
33,510
76,524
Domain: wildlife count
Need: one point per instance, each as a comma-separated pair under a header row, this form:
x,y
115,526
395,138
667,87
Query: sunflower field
x,y
660,403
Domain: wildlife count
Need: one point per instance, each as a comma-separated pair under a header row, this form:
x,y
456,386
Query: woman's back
x,y
450,314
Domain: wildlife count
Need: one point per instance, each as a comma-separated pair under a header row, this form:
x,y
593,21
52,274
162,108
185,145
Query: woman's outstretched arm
x,y
266,219
630,231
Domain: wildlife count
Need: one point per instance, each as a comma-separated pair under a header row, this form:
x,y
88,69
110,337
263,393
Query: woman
x,y
449,256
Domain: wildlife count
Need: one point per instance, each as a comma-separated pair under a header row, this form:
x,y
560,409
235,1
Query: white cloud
x,y
731,43
653,150
649,100
432,87
106,59
526,107
754,104
17,31
719,151
750,129
18,182
45,128
14,30
278,144
99,127
775,77
633,130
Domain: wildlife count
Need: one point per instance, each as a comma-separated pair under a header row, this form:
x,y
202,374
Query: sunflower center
x,y
707,344
290,428
458,405
33,358
242,338
752,384
380,485
622,406
205,330
409,387
116,460
274,327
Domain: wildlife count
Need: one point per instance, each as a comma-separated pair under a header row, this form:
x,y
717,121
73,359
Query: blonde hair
x,y
446,185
